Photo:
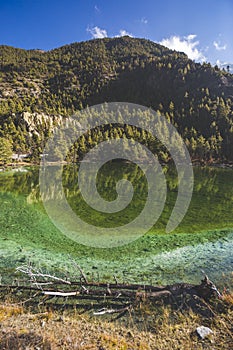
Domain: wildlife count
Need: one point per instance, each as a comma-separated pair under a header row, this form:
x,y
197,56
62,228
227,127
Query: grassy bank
x,y
145,328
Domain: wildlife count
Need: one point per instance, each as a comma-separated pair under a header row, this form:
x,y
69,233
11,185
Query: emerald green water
x,y
203,240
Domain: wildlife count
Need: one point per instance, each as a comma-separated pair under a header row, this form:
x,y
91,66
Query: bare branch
x,y
110,311
80,270
33,273
61,294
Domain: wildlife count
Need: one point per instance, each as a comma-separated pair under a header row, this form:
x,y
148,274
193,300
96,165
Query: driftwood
x,y
61,294
33,275
105,311
124,296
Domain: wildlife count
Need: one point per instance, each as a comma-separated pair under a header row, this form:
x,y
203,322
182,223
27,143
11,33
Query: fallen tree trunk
x,y
62,289
123,295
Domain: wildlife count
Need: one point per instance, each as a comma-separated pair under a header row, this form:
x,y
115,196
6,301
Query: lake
x,y
202,241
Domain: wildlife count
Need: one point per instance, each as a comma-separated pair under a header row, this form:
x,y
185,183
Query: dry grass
x,y
7,311
228,298
22,329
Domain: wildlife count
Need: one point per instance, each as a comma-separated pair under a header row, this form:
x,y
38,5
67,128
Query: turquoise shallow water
x,y
203,241
178,265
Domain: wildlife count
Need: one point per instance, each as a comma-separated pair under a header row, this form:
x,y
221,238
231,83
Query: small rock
x,y
203,331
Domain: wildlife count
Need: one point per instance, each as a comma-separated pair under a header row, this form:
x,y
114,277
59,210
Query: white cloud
x,y
221,65
190,37
144,20
185,44
123,32
218,46
97,33
97,9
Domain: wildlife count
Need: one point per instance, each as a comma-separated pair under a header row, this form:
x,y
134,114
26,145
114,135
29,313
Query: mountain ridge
x,y
196,98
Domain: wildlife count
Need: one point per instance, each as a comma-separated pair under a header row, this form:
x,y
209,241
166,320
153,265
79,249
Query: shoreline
x,y
228,165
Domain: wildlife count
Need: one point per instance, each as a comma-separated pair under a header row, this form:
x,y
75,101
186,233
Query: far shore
x,y
4,167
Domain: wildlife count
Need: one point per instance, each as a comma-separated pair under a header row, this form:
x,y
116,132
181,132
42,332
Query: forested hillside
x,y
38,88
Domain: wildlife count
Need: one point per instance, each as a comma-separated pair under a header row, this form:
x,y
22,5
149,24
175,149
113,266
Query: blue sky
x,y
201,28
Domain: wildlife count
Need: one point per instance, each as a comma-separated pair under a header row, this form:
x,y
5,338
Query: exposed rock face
x,y
37,120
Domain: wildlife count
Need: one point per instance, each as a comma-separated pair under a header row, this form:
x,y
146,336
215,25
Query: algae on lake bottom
x,y
202,241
